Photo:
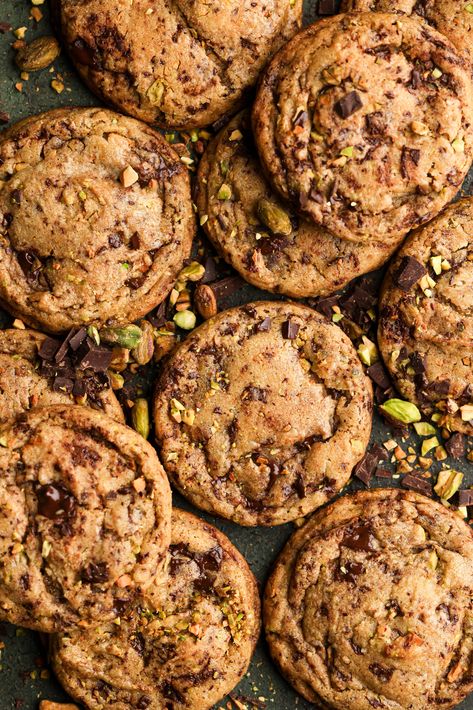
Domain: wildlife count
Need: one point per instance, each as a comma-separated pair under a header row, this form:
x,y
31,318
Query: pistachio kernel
x,y
448,483
38,55
402,411
140,417
274,217
127,336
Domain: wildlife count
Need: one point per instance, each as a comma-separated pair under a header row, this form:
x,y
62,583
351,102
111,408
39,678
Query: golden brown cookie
x,y
95,218
262,412
426,318
85,510
364,122
180,63
369,605
190,652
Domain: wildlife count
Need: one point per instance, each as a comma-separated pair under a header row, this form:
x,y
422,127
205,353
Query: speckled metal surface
x,y
24,675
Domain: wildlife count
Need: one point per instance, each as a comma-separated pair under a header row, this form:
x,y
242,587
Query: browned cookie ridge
x,y
188,653
426,318
24,384
95,218
453,18
262,412
364,121
369,605
85,511
262,236
177,63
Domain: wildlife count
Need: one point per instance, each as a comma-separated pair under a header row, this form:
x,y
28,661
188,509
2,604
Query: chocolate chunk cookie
x,y
25,382
453,18
262,413
85,513
187,654
95,218
364,121
426,317
369,605
180,64
260,235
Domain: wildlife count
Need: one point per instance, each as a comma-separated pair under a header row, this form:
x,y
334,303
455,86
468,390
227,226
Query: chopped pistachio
x,y
367,351
236,135
144,351
429,444
188,416
433,560
127,336
403,411
448,483
436,263
469,8
437,73
93,333
419,128
274,217
225,192
116,380
155,92
424,428
140,417
185,320
46,548
348,151
193,272
458,145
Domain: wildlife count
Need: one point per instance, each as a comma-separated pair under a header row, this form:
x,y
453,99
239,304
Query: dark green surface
x,y
23,658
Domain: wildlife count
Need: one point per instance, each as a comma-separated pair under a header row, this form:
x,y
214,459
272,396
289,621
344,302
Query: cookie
x,y
85,512
25,382
262,412
95,218
187,654
364,122
425,331
452,18
180,65
262,236
369,605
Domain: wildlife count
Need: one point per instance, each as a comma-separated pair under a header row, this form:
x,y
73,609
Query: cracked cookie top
x,y
262,412
24,384
188,653
426,317
177,63
369,605
85,512
261,235
452,18
95,218
364,122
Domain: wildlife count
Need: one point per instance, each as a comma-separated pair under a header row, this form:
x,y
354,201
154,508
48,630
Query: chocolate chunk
x,y
290,330
95,573
409,159
30,265
227,286
264,326
79,389
379,453
466,395
455,446
360,538
211,272
328,7
254,394
416,79
418,363
63,384
465,498
408,273
364,469
383,473
415,483
379,375
55,502
76,340
16,197
441,388
325,305
81,52
350,571
384,674
349,104
48,349
300,486
94,357
135,282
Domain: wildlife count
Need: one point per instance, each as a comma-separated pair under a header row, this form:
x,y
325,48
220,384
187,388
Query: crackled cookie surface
x,y
369,605
262,236
179,64
262,412
364,121
453,18
95,218
85,513
426,317
24,383
187,654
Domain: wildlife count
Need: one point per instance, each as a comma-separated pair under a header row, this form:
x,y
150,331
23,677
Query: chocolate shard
x,y
417,484
441,388
77,339
455,446
227,286
349,104
290,330
48,349
94,357
63,384
465,498
263,326
365,468
408,273
379,375
325,305
328,7
418,363
383,473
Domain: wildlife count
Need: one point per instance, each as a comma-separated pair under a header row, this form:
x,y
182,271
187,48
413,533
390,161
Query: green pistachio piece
x,y
116,380
185,320
225,192
274,217
193,272
424,428
140,417
403,411
448,483
144,351
127,336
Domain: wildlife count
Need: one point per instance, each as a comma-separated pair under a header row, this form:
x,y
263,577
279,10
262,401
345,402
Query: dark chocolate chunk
x,y
115,241
95,573
211,272
383,473
30,265
325,305
63,384
384,674
16,197
135,282
409,160
418,363
378,374
360,537
254,394
349,104
364,469
263,326
227,286
48,349
76,340
350,571
328,7
465,498
55,502
94,357
455,446
408,273
415,483
379,452
81,52
290,330
300,486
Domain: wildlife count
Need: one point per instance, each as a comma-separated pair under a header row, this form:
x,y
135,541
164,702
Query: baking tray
x,y
25,678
